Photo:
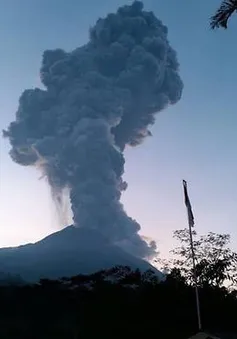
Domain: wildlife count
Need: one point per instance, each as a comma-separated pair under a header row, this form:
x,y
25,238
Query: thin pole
x,y
195,281
191,224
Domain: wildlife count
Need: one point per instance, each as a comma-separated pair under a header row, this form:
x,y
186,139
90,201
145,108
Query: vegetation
x,y
221,18
216,263
122,303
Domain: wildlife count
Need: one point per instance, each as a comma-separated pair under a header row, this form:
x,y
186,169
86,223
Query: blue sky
x,y
195,139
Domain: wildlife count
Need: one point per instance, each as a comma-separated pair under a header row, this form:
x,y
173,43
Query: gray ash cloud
x,y
96,100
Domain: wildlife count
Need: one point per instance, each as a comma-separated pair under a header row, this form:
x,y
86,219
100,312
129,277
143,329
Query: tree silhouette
x,y
216,263
223,14
116,303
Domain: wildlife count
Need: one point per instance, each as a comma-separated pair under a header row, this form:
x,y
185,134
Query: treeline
x,y
119,303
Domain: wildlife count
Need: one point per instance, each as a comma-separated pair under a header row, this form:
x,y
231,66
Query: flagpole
x,y
191,224
195,281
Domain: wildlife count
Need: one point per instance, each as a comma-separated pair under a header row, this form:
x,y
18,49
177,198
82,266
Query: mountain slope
x,y
66,253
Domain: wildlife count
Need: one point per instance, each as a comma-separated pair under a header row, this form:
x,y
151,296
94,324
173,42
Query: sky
x,y
195,139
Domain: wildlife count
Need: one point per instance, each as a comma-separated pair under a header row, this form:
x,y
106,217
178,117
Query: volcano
x,y
95,101
67,253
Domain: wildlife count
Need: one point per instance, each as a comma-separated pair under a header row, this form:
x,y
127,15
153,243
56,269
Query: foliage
x,y
223,14
118,303
10,280
216,263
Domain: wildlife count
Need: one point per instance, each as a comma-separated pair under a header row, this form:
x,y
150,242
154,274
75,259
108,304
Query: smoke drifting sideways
x,y
96,100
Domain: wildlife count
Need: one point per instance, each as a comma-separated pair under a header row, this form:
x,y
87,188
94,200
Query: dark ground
x,y
119,303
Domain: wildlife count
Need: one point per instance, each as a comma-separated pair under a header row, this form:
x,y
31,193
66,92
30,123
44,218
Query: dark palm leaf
x,y
224,12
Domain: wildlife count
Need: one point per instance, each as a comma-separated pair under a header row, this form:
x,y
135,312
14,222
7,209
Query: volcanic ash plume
x,y
97,99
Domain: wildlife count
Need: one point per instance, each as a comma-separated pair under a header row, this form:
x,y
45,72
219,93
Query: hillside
x,y
66,253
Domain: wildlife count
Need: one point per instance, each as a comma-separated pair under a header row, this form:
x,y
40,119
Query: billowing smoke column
x,y
98,99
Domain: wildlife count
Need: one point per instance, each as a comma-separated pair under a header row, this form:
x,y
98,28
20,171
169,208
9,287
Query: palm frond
x,y
222,15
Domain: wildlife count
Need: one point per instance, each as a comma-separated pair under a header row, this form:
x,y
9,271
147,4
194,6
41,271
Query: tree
x,y
216,263
223,14
120,303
